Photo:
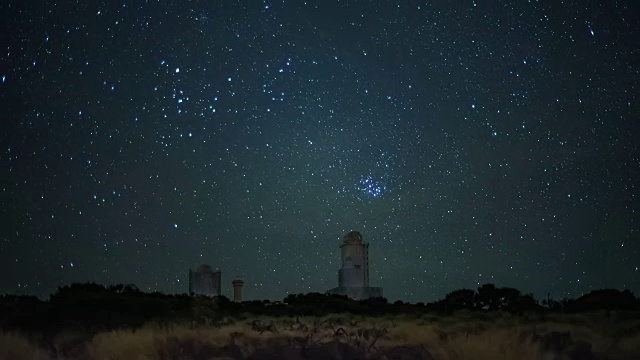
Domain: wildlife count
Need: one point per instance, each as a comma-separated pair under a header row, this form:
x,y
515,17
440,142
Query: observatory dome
x,y
352,237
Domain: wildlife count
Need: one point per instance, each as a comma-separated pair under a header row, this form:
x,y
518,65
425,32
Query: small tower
x,y
237,289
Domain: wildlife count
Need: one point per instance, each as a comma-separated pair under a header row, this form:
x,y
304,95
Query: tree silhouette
x,y
94,307
460,299
508,298
488,297
605,299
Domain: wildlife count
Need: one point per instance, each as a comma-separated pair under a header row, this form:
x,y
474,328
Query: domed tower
x,y
354,272
205,281
353,275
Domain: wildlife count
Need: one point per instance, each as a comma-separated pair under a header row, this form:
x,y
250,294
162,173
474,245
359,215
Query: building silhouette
x,y
353,275
205,281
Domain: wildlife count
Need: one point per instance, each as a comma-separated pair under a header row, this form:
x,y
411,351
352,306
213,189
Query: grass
x,y
17,347
462,336
492,344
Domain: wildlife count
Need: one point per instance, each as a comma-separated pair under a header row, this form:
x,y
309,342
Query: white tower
x,y
354,272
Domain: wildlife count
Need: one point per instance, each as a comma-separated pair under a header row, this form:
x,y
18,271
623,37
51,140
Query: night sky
x,y
470,142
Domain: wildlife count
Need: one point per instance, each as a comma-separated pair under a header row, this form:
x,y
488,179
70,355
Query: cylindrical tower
x,y
355,261
237,289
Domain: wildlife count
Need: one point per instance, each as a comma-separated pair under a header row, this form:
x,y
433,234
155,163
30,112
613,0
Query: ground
x,y
464,335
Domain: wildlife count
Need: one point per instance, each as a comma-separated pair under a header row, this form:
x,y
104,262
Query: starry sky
x,y
470,142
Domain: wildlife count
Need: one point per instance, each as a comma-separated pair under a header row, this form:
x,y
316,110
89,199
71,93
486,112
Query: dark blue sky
x,y
470,143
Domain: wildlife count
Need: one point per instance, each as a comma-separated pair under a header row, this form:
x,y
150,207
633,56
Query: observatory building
x,y
205,281
353,276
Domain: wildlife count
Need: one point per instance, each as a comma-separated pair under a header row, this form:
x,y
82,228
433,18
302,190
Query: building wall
x,y
355,265
237,290
205,282
357,293
353,275
366,265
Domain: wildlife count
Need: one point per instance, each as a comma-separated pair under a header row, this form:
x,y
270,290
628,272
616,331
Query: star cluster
x,y
371,187
469,142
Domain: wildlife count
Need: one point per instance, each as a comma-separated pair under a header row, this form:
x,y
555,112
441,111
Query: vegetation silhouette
x,y
92,321
93,307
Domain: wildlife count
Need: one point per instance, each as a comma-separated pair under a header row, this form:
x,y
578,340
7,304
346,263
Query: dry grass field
x,y
465,335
